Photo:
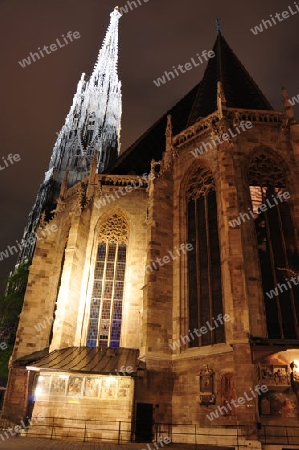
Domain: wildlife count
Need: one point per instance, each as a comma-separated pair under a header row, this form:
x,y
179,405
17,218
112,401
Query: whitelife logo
x,y
53,47
274,292
161,441
264,25
166,259
203,330
294,100
237,402
235,222
31,240
42,325
225,136
11,158
3,346
124,190
188,66
124,9
18,428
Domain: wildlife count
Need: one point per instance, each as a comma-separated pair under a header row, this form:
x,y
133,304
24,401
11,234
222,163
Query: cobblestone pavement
x,y
29,443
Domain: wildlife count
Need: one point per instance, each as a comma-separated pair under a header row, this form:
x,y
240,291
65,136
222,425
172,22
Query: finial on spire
x,y
218,26
115,12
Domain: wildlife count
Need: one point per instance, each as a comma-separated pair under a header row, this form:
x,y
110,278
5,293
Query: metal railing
x,y
120,432
80,429
230,435
279,434
124,431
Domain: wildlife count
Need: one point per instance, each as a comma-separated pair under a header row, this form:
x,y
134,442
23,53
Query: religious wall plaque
x,y
91,387
109,388
59,383
274,375
124,387
206,386
75,386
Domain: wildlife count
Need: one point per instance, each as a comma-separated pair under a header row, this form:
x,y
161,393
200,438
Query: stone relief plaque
x,y
274,375
206,386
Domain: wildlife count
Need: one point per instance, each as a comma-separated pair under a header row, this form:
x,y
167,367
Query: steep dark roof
x,y
239,89
151,144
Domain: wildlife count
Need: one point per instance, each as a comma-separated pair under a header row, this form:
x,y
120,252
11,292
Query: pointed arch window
x,y
105,319
204,269
276,246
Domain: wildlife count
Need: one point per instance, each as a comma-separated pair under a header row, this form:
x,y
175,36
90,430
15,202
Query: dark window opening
x,y
278,256
204,267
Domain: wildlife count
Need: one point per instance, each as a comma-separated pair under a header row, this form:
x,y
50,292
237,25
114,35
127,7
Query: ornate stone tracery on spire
x,y
91,127
93,122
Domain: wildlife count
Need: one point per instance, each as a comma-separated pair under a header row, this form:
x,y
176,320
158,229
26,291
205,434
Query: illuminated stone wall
x,y
78,404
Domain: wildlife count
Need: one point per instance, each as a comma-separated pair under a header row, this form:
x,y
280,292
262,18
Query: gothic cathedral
x,y
166,302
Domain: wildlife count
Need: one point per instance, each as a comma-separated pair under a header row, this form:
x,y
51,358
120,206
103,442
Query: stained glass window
x,y
106,303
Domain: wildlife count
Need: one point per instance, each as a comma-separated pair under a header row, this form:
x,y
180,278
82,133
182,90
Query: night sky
x,y
155,36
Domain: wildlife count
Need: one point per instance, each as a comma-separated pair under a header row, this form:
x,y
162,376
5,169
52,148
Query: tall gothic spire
x,y
93,122
92,125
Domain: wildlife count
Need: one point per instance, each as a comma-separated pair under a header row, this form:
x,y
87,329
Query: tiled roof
x,y
89,360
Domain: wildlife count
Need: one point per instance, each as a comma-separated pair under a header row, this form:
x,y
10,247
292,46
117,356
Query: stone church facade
x,y
157,284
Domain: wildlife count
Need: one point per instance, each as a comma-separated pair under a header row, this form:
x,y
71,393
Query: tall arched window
x,y
276,246
106,303
204,271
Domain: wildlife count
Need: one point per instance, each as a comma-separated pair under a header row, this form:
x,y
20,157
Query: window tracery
x,y
204,271
276,246
106,303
